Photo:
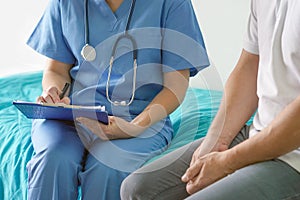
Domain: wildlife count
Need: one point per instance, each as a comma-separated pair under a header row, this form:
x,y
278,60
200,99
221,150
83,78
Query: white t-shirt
x,y
274,34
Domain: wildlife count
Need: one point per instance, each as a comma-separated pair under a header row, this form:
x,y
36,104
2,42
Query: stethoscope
x,y
88,53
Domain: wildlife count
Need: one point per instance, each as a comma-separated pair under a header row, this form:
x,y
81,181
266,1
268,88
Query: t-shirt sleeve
x,y
48,38
251,37
183,46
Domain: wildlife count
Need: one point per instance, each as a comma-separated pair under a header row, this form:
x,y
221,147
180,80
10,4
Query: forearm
x,y
166,101
56,74
239,101
280,137
158,109
52,79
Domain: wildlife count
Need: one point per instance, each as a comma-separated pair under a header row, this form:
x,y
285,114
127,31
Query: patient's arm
x,y
238,104
280,137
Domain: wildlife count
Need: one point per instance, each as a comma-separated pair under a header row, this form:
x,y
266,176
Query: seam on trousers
x,y
294,197
165,190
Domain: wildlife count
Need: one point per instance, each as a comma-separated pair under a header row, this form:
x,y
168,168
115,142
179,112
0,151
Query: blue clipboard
x,y
61,112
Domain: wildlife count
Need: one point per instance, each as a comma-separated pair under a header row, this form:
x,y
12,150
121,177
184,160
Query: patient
x,y
236,161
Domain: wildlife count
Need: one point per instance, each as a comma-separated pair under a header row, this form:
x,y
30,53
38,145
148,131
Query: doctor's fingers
x,y
40,99
51,95
95,127
45,99
65,100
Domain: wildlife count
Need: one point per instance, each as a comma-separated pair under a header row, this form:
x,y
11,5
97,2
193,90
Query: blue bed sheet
x,y
191,121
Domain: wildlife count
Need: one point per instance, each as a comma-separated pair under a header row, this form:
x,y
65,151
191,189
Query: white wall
x,y
223,23
17,20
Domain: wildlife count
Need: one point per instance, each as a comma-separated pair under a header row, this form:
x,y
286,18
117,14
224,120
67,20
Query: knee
x,y
127,188
133,188
55,156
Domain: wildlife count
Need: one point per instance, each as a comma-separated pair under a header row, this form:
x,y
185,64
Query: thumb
x,y
65,100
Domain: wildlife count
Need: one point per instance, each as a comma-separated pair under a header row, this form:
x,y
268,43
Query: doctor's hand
x,y
117,128
51,95
207,170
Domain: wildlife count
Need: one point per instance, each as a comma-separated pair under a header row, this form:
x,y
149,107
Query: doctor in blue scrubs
x,y
135,58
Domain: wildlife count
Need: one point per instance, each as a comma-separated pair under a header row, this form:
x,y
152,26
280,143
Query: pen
x,y
64,90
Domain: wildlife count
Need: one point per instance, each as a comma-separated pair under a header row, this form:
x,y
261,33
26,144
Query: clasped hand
x,y
207,166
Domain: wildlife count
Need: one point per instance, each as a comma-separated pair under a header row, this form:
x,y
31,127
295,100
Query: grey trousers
x,y
161,179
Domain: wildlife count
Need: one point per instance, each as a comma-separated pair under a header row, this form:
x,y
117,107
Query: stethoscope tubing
x,y
133,43
88,52
86,24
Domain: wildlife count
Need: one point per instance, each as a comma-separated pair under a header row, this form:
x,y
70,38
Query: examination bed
x,y
191,121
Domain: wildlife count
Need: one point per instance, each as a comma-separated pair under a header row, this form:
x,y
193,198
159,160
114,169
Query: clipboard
x,y
61,111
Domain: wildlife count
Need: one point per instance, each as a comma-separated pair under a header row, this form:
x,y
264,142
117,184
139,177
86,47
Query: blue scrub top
x,y
166,32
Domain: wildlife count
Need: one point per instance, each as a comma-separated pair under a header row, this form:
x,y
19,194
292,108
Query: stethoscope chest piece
x,y
88,52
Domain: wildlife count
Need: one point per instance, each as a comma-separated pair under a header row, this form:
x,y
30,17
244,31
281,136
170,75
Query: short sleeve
x,y
48,38
251,37
183,46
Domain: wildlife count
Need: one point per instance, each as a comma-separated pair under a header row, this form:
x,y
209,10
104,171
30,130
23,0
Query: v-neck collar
x,y
119,13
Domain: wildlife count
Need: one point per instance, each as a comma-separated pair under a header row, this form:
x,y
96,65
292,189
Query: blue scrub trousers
x,y
56,170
